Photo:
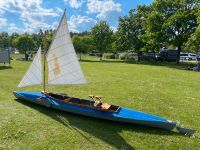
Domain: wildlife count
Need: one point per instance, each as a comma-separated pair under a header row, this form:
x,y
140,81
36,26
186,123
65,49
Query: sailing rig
x,y
64,68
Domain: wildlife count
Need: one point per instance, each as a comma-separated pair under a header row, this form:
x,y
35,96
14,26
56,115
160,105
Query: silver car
x,y
188,56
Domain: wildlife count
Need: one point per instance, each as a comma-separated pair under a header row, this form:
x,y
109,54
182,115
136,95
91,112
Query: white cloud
x,y
3,22
106,9
80,23
13,28
32,14
74,3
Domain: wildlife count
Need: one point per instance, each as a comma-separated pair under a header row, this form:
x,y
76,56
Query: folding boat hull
x,y
123,115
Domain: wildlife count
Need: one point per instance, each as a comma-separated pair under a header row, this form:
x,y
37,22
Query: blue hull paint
x,y
123,115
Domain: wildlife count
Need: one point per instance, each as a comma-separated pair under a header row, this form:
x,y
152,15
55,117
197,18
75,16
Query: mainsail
x,y
63,66
34,74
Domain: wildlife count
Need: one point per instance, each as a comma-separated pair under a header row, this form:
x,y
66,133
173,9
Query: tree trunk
x,y
138,55
101,56
26,56
178,54
80,57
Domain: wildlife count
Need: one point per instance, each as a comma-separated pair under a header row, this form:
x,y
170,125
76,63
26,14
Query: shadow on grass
x,y
173,65
108,131
5,67
103,61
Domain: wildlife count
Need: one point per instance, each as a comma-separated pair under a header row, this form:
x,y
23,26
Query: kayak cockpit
x,y
64,98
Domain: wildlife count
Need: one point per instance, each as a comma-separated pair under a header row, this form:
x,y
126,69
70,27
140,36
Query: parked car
x,y
188,56
94,53
193,56
166,55
149,56
16,52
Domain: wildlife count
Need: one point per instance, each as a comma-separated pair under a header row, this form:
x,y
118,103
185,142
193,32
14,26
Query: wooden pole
x,y
44,67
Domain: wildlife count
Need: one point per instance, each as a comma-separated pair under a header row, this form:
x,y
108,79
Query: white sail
x,y
63,66
34,74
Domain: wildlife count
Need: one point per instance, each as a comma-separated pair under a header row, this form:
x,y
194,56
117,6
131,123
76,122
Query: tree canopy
x,y
102,36
4,40
24,43
82,44
164,23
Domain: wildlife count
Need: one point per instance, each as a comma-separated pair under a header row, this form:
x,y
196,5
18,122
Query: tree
x,y
181,24
153,34
123,41
194,41
4,40
170,21
82,44
47,39
24,43
130,29
102,36
12,37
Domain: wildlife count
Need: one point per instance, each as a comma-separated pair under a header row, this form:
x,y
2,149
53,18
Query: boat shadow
x,y
107,131
5,67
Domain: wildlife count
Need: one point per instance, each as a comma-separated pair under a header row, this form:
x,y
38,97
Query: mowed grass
x,y
164,90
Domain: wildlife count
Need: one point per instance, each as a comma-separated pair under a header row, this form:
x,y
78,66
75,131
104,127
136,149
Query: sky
x,y
32,15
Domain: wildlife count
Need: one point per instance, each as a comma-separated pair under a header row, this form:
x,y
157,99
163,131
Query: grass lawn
x,y
164,90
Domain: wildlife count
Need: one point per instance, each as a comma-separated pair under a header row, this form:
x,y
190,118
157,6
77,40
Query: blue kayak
x,y
102,110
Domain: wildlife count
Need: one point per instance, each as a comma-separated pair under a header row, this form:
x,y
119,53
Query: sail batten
x,y
34,74
63,65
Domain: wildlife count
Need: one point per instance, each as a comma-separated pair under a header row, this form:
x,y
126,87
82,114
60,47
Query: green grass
x,y
165,90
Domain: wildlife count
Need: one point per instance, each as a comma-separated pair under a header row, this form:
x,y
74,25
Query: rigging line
x,y
68,73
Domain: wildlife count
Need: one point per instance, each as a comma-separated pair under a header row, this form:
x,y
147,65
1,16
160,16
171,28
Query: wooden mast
x,y
44,71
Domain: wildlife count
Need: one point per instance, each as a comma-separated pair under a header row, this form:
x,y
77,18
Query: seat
x,y
67,100
105,106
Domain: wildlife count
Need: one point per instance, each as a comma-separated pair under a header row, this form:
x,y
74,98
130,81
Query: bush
x,y
110,56
123,56
131,57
